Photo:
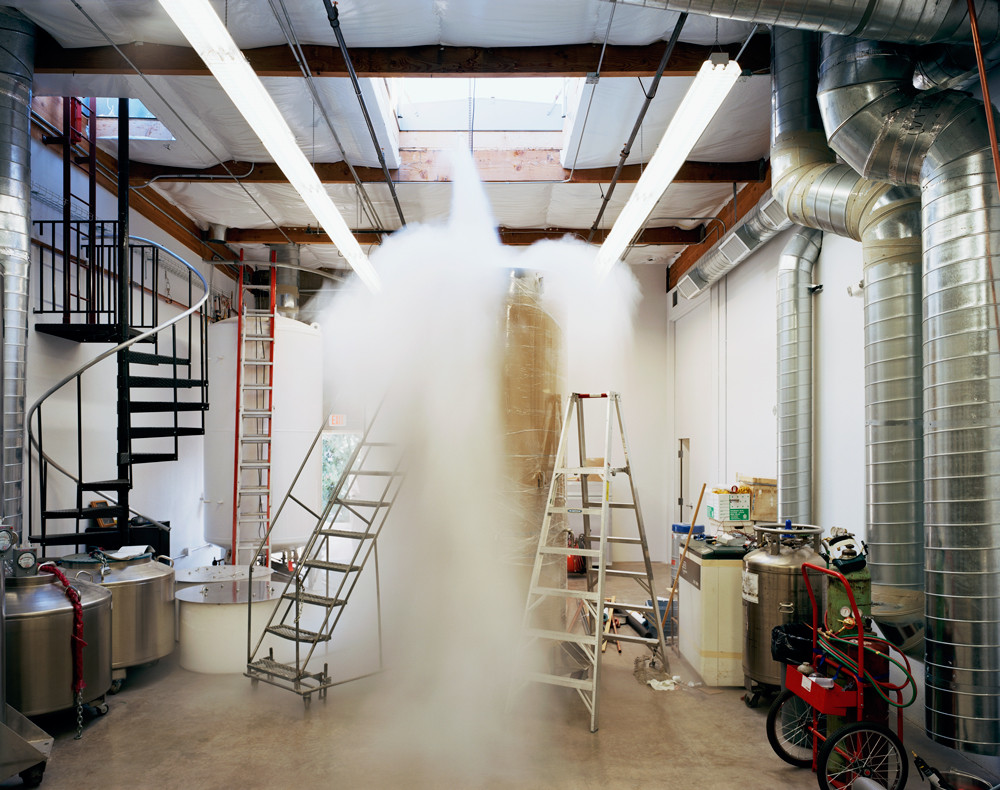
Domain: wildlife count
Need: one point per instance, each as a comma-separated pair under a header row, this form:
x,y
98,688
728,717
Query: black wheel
x,y
751,699
116,685
789,729
32,777
862,750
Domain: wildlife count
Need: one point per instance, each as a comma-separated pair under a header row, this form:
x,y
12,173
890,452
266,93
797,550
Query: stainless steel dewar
x,y
774,592
143,609
38,631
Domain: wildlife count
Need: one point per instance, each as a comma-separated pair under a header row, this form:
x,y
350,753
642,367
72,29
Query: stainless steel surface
x,y
221,593
16,73
762,223
39,627
780,591
918,21
288,280
795,374
142,610
819,193
22,744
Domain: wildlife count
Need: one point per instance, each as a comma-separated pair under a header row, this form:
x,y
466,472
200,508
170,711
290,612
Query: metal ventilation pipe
x,y
819,193
287,280
17,58
914,21
795,374
883,128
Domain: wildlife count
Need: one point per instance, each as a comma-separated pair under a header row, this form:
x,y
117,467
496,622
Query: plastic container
x,y
678,536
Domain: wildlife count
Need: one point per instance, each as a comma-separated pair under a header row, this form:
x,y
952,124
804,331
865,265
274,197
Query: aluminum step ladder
x,y
576,662
254,414
345,537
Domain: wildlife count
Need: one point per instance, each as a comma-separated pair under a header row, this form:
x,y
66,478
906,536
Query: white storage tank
x,y
297,415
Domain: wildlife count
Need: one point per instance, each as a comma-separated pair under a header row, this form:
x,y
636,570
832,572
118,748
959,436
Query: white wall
x,y
170,491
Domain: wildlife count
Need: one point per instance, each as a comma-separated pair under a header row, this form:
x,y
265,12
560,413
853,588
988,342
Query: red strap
x,y
76,640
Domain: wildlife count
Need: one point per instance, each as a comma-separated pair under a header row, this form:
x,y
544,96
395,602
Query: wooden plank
x,y
747,198
513,236
427,166
425,61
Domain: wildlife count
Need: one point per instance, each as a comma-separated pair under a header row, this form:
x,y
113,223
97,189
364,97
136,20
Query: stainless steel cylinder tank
x,y
774,593
38,632
142,610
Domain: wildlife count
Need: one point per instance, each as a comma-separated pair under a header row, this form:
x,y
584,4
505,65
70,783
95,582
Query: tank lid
x,y
89,561
683,529
205,574
230,592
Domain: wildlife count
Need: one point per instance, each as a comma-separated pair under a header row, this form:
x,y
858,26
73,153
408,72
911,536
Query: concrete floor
x,y
170,728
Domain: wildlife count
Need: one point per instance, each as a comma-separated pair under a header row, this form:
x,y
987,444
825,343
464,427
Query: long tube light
x,y
702,101
206,33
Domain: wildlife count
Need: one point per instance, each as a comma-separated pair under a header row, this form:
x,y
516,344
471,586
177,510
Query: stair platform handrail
x,y
33,440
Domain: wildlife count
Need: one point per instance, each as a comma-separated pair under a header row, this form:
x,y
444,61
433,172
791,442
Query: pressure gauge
x,y
6,540
26,560
845,611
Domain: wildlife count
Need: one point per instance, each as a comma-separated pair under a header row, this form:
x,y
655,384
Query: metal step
x,y
163,382
148,406
569,551
326,565
255,464
316,600
561,636
343,533
581,470
360,502
561,592
101,537
152,432
144,358
84,512
146,458
561,680
106,485
268,666
297,634
255,490
623,636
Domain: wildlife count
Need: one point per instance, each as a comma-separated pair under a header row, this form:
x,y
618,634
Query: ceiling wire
x,y
285,23
180,120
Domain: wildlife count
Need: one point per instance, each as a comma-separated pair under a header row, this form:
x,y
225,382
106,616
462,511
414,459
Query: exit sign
x,y
338,420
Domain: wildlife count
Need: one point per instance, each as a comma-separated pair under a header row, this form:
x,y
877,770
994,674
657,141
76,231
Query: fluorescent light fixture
x,y
700,104
205,32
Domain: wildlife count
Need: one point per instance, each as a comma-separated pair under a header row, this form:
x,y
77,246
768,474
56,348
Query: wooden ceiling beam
x,y
512,236
747,198
425,61
427,166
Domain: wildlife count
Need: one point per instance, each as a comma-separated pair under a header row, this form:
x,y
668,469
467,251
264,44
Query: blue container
x,y
678,538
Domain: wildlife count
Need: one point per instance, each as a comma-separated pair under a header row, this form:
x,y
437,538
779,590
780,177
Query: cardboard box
x,y
729,507
763,497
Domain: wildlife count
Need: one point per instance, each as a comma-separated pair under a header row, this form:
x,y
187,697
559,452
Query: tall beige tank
x,y
533,395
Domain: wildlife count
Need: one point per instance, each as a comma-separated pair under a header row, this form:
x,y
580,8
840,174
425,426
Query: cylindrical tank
x,y
774,593
38,636
142,607
297,412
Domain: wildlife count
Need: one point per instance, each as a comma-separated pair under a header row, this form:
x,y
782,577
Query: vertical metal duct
x,y
880,125
819,193
795,374
17,58
287,280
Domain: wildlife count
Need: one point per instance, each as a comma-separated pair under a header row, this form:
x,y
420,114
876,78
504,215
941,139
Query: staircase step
x,y
343,533
101,537
316,600
106,485
326,565
163,382
269,666
360,502
148,406
152,432
147,458
144,358
297,634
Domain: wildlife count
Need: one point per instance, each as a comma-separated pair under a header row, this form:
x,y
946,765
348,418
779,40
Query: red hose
x,y
76,640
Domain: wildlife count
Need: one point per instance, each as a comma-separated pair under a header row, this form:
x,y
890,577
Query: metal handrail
x,y
34,441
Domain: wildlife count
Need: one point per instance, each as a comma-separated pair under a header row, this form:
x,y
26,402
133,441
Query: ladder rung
x,y
634,638
255,464
567,550
562,636
343,533
316,600
630,607
253,311
297,634
585,511
252,518
623,505
269,666
614,539
262,338
560,592
561,680
581,470
641,575
372,473
253,490
326,565
256,439
256,362
360,502
257,413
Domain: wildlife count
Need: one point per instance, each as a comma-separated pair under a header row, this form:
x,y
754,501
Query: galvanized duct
x,y
795,374
941,142
17,57
914,21
819,193
287,280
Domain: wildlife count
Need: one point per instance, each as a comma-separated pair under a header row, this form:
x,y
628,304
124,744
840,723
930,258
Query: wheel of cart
x,y
834,684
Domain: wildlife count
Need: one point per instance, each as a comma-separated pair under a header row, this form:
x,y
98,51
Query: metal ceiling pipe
x,y
17,57
795,374
817,192
287,278
912,21
941,142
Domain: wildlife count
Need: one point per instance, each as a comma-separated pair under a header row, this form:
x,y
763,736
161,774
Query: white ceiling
x,y
208,129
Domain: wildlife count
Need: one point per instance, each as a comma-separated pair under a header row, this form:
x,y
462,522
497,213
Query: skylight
x,y
143,125
493,104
